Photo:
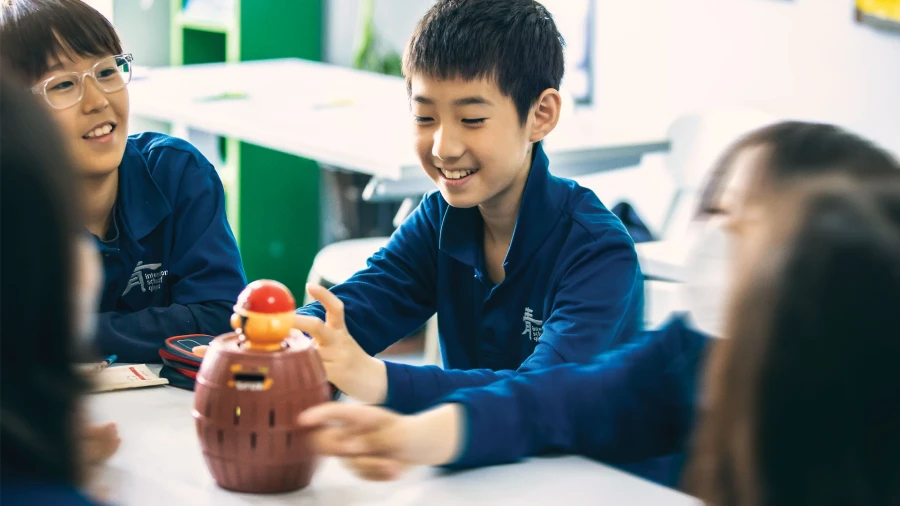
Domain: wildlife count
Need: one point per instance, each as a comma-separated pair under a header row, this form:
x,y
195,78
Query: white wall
x,y
104,6
143,26
805,59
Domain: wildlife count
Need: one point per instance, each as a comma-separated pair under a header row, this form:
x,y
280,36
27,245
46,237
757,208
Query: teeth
x,y
100,131
456,174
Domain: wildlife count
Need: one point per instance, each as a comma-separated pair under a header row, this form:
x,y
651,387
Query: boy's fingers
x,y
312,326
376,468
335,441
334,308
383,442
336,413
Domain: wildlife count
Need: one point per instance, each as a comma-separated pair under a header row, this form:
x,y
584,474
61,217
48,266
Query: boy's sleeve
x,y
206,275
635,403
395,294
599,305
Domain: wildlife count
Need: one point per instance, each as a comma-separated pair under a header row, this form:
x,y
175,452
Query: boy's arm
x,y
395,294
634,403
598,305
206,274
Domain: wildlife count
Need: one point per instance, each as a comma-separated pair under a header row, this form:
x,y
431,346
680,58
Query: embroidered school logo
x,y
145,277
533,328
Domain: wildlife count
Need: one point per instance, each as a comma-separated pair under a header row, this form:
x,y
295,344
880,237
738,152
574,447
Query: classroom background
x,y
317,156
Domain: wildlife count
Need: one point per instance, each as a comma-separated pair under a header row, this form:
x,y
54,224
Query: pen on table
x,y
106,362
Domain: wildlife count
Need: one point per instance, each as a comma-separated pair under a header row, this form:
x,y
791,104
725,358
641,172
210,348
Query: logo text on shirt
x,y
144,277
533,328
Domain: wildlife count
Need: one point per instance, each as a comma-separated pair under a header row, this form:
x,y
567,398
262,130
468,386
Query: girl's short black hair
x,y
33,31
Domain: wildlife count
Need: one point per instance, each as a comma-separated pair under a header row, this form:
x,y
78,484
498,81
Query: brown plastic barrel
x,y
246,404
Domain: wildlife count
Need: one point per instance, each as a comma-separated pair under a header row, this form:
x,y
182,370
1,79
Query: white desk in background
x,y
343,117
664,260
160,464
355,120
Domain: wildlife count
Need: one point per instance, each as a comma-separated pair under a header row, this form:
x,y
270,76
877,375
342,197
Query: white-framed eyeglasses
x,y
65,90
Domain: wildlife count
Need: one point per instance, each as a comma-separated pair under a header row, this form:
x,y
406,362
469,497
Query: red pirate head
x,y
264,315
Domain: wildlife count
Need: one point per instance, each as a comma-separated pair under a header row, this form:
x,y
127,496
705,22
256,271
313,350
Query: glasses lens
x,y
113,73
63,91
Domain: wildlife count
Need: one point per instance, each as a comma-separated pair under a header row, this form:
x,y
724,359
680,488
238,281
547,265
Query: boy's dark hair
x,y
32,31
514,42
796,149
803,395
39,221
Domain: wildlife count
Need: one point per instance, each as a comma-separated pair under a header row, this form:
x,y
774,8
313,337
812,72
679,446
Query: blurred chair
x,y
664,190
337,262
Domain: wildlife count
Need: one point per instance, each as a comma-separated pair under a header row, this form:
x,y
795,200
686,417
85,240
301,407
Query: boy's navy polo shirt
x,y
573,289
170,260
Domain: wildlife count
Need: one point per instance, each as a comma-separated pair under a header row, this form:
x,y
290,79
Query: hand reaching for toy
x,y
378,444
347,366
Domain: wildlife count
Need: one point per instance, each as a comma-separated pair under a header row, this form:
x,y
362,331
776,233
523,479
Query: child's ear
x,y
545,113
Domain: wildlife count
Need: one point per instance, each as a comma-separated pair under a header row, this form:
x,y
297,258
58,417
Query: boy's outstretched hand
x,y
347,366
379,444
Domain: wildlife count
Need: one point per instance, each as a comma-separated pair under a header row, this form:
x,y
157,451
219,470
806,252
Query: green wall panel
x,y
203,47
279,192
281,29
279,216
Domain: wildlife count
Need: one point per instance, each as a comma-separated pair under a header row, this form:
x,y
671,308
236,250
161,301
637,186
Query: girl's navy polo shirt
x,y
171,263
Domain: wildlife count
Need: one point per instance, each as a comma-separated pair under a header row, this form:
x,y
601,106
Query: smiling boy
x,y
524,270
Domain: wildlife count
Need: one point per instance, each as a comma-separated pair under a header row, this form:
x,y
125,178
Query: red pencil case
x,y
180,363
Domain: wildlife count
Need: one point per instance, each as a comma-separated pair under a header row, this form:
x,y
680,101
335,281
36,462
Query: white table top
x,y
160,464
344,117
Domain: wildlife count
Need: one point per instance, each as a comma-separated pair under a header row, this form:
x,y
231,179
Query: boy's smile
x,y
453,177
469,139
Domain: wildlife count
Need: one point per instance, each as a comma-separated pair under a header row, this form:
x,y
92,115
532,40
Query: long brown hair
x,y
803,404
796,150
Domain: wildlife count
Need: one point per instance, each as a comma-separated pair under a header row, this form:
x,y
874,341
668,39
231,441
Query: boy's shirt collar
x,y
461,234
140,201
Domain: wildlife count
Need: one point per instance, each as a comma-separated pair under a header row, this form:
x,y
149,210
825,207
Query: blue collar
x,y
141,205
462,230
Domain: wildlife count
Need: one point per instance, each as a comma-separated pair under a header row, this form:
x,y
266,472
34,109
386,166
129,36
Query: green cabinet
x,y
272,197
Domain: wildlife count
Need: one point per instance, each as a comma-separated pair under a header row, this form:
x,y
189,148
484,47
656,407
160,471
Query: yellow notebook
x,y
126,376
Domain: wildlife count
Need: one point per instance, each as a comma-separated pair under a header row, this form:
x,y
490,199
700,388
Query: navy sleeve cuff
x,y
410,387
312,309
489,434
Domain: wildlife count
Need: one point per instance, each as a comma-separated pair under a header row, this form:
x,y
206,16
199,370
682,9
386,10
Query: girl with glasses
x,y
154,205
